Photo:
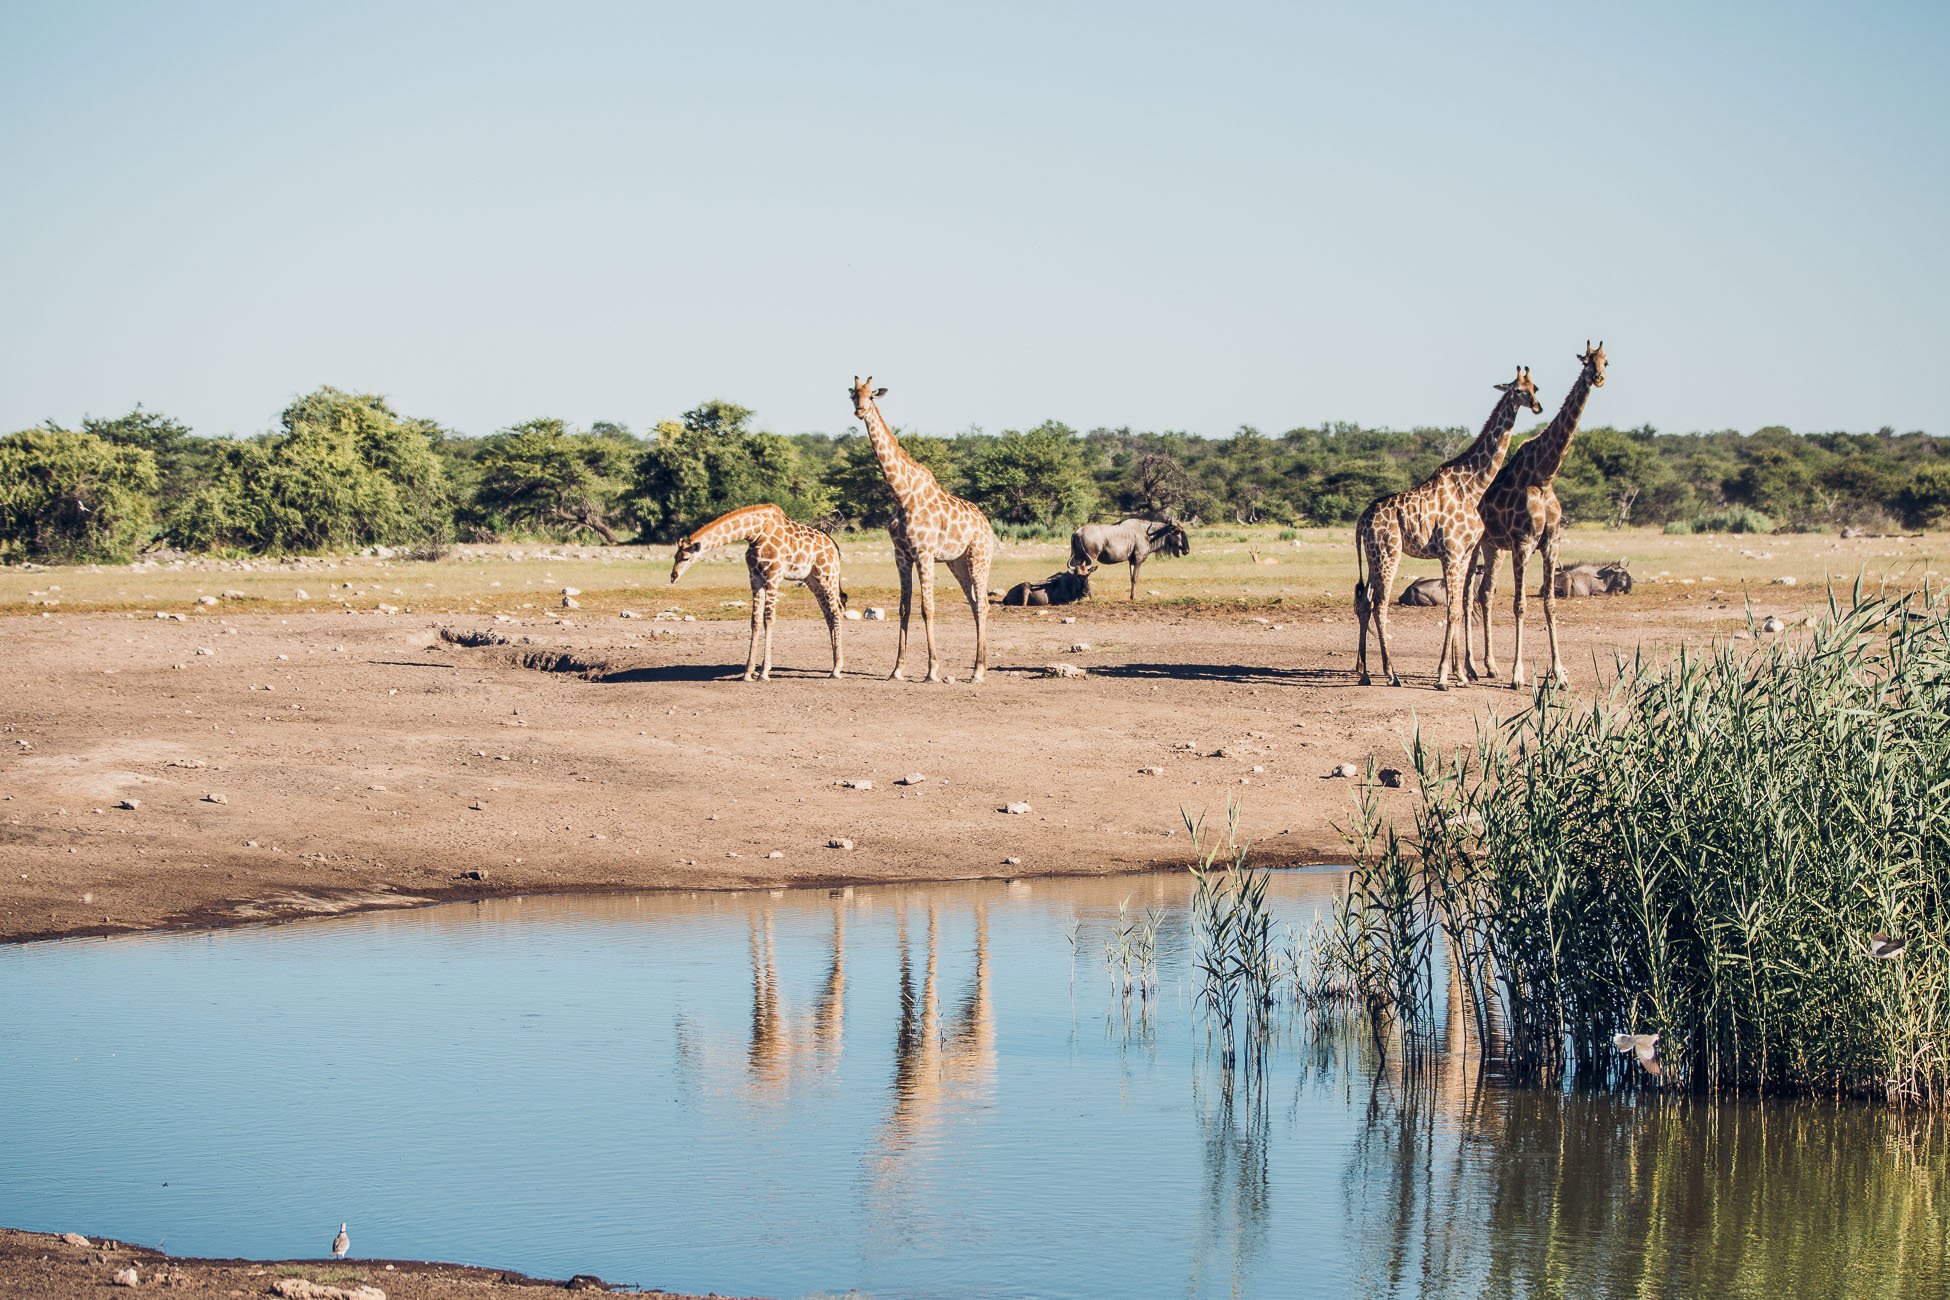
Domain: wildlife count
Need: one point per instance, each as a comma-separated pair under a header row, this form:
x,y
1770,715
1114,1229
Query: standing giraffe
x,y
1520,511
781,551
1436,520
929,525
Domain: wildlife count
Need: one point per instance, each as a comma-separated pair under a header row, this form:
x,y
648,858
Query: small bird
x,y
1644,1046
1884,946
341,1243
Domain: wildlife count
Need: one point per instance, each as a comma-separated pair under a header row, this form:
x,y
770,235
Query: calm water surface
x,y
900,1090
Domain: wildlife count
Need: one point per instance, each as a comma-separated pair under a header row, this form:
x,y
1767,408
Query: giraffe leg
x,y
771,616
1485,588
758,622
924,575
973,574
1518,678
1549,593
1455,627
905,563
826,590
1363,602
1381,583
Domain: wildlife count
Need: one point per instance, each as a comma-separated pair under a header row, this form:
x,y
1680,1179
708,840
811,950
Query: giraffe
x,y
930,524
1436,520
1520,511
780,551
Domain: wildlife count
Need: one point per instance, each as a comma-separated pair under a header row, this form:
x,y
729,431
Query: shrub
x,y
1733,519
1679,528
73,496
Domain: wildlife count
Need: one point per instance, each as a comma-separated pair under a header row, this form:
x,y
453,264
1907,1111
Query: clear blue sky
x,y
1167,216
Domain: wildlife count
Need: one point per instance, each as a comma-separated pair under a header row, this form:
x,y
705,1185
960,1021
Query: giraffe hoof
x,y
1366,680
1394,681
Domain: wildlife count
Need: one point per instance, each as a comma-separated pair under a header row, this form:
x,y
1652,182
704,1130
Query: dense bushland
x,y
345,469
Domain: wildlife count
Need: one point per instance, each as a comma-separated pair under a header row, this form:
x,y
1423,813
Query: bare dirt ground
x,y
42,1266
293,764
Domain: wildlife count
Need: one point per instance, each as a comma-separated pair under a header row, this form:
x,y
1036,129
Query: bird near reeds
x,y
341,1243
1644,1046
1884,946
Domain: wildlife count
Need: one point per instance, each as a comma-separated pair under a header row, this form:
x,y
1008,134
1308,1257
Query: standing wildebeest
x,y
1133,541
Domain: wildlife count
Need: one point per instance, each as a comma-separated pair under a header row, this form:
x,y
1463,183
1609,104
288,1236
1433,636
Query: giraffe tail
x,y
1360,572
843,597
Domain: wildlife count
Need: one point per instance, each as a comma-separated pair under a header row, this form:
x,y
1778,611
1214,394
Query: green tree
x,y
541,475
345,471
858,486
713,461
1034,478
72,497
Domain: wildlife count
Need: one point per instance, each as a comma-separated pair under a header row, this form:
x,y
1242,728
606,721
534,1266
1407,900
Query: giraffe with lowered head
x,y
780,551
1435,520
1520,511
930,524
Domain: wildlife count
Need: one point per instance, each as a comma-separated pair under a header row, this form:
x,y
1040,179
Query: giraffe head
x,y
1594,362
1526,392
687,550
862,393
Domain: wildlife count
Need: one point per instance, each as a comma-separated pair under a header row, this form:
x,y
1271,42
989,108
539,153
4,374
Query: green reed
x,y
1702,852
1234,954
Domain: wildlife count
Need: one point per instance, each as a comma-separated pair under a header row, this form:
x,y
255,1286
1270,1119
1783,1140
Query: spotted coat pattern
x,y
1435,520
930,525
781,551
1520,513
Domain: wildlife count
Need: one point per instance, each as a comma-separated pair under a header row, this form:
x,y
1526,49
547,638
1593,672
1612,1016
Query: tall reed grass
x,y
1703,852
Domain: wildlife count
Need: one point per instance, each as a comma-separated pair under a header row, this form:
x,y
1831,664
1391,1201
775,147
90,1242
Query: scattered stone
x,y
302,594
233,594
73,1238
571,591
570,602
1347,770
1068,618
128,1276
205,650
216,797
1016,808
1012,862
873,614
206,600
627,613
912,778
854,785
853,614
1786,580
129,805
587,1282
839,844
775,854
1772,624
1257,768
1063,670
475,874
389,609
183,762
477,806
299,1288
1081,647
1390,777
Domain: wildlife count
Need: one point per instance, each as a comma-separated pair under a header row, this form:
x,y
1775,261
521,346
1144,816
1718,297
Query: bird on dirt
x,y
1643,1046
341,1243
1884,946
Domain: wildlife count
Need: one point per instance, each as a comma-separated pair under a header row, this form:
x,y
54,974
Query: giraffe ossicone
x,y
781,551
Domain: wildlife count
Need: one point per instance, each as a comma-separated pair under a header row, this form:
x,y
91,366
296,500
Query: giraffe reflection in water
x,y
780,1045
939,1067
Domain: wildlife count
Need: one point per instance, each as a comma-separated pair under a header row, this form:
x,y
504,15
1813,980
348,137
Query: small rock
x,y
1012,862
1345,770
627,613
1772,624
1068,618
1063,670
1016,808
775,854
206,600
570,602
477,806
912,778
205,650
853,614
73,1238
571,591
129,805
839,844
301,594
389,609
128,1276
1151,771
473,875
1787,580
233,595
1257,769
1390,777
216,797
873,614
855,785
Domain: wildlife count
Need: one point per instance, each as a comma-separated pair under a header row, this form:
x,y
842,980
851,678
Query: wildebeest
x,y
1593,580
1424,591
1063,588
1131,541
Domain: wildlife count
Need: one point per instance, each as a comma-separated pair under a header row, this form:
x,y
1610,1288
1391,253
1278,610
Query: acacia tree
x,y
713,461
540,474
1034,478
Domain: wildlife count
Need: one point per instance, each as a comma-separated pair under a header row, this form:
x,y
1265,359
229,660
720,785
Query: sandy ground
x,y
39,1266
293,764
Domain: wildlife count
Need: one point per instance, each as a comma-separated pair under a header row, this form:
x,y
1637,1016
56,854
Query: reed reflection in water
x,y
896,1089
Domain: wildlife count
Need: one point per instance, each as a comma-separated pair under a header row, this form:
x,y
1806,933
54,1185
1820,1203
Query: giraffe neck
x,y
737,525
1484,457
1555,440
906,476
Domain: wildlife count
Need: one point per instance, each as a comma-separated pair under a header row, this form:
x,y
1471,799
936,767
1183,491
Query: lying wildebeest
x,y
1065,588
1132,541
1593,580
1425,591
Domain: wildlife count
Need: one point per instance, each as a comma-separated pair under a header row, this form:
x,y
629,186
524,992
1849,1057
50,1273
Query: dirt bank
x,y
41,1266
293,764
